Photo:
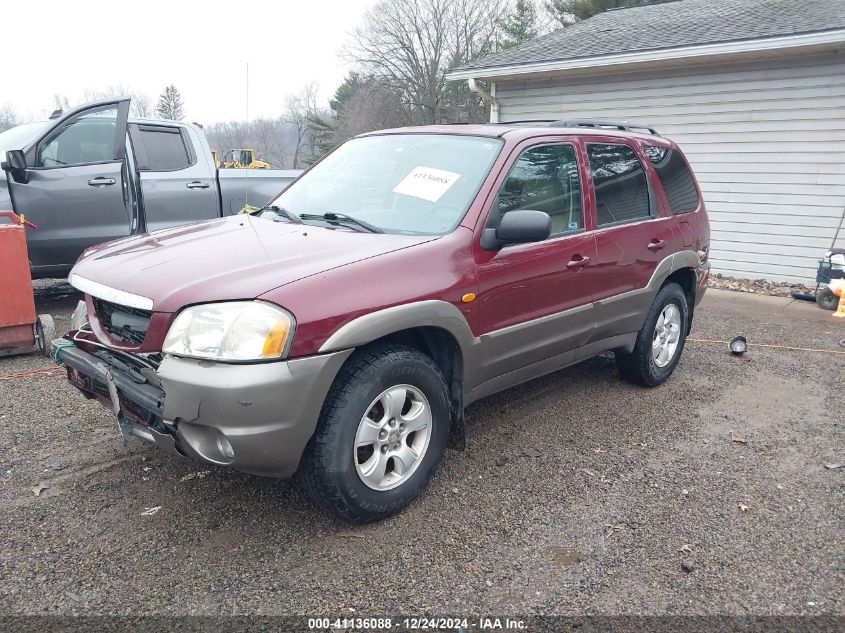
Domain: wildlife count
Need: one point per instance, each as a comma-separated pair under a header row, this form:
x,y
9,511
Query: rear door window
x,y
164,149
620,184
675,177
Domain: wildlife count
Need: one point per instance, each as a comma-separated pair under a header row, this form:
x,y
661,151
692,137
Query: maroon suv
x,y
342,330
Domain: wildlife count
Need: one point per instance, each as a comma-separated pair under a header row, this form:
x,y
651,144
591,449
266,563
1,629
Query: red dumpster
x,y
20,330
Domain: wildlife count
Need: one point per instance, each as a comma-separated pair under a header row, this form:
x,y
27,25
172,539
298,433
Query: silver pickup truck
x,y
93,175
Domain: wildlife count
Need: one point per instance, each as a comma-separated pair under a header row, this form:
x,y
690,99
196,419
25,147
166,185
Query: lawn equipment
x,y
21,330
831,267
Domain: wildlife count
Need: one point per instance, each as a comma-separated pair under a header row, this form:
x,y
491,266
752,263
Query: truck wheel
x,y
45,331
826,299
382,431
659,342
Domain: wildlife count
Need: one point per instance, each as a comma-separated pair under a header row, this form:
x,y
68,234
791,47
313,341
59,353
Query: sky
x,y
203,47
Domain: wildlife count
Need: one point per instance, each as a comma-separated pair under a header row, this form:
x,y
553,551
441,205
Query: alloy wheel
x,y
667,334
392,437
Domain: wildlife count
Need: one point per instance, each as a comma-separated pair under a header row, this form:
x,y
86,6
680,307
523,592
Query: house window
x,y
545,178
620,184
675,177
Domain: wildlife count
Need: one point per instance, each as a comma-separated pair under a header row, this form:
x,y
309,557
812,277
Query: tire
x,y
640,366
337,474
826,299
45,331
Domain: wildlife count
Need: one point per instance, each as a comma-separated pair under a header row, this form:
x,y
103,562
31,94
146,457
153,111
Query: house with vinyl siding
x,y
752,90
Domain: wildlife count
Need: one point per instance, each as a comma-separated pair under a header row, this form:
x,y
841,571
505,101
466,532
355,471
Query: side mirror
x,y
518,227
15,164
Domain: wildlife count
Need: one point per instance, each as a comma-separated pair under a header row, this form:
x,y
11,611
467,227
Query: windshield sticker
x,y
427,183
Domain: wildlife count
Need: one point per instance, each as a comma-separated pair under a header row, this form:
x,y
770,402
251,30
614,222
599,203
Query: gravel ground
x,y
708,495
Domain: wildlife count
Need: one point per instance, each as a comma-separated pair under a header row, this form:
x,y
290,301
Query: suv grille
x,y
122,322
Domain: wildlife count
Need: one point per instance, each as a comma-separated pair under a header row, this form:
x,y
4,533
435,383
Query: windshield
x,y
20,136
399,183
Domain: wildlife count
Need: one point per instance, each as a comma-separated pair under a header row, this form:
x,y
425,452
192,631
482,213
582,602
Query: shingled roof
x,y
670,25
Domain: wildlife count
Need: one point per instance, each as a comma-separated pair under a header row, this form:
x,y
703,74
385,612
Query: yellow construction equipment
x,y
240,159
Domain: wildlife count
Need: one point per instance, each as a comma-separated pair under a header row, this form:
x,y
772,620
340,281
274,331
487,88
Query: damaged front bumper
x,y
256,418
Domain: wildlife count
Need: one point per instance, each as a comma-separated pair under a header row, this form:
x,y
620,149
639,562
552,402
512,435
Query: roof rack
x,y
624,127
522,121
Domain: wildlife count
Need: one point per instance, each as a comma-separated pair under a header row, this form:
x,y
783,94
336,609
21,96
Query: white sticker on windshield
x,y
427,183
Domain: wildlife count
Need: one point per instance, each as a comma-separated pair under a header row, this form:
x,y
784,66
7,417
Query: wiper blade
x,y
287,215
331,216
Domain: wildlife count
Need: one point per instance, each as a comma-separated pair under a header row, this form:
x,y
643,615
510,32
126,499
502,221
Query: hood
x,y
240,257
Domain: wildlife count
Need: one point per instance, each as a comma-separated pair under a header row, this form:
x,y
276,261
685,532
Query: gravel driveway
x,y
577,494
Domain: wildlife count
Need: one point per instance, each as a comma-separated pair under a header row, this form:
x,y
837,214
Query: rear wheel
x,y
382,432
826,299
660,341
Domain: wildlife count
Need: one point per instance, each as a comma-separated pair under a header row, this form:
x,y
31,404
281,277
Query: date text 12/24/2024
x,y
417,624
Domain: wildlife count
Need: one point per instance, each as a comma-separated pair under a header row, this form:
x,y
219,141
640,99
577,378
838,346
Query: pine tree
x,y
170,104
567,12
520,24
346,91
322,131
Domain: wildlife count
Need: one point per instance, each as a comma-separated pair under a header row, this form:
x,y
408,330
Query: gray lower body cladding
x,y
256,418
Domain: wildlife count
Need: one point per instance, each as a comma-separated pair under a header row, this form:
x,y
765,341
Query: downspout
x,y
487,97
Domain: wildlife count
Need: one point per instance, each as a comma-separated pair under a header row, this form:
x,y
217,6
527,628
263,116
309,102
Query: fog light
x,y
225,447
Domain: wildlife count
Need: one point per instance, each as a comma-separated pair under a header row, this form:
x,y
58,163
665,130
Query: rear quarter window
x,y
675,177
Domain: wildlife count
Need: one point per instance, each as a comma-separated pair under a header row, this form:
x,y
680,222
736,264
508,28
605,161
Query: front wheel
x,y
381,434
660,341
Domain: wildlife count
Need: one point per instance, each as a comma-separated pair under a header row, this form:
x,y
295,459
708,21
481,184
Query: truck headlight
x,y
231,331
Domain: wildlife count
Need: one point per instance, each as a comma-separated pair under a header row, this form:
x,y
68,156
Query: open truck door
x,y
74,183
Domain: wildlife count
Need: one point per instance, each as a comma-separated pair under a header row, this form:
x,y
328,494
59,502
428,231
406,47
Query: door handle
x,y
101,182
655,245
577,262
196,184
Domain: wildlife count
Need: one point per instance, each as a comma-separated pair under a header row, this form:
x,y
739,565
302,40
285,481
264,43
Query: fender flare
x,y
374,325
671,264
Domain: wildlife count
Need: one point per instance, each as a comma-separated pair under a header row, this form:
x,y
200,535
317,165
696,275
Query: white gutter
x,y
681,52
487,97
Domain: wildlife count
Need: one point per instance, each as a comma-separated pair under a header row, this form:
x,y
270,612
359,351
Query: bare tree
x,y
8,117
410,46
272,142
227,135
298,110
272,139
370,104
141,106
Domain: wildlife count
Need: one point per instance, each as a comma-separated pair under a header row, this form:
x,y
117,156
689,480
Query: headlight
x,y
233,331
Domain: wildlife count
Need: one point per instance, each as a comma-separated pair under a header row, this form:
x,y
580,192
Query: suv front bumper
x,y
256,418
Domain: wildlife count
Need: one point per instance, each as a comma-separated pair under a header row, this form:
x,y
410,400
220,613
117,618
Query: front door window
x,y
83,140
544,178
